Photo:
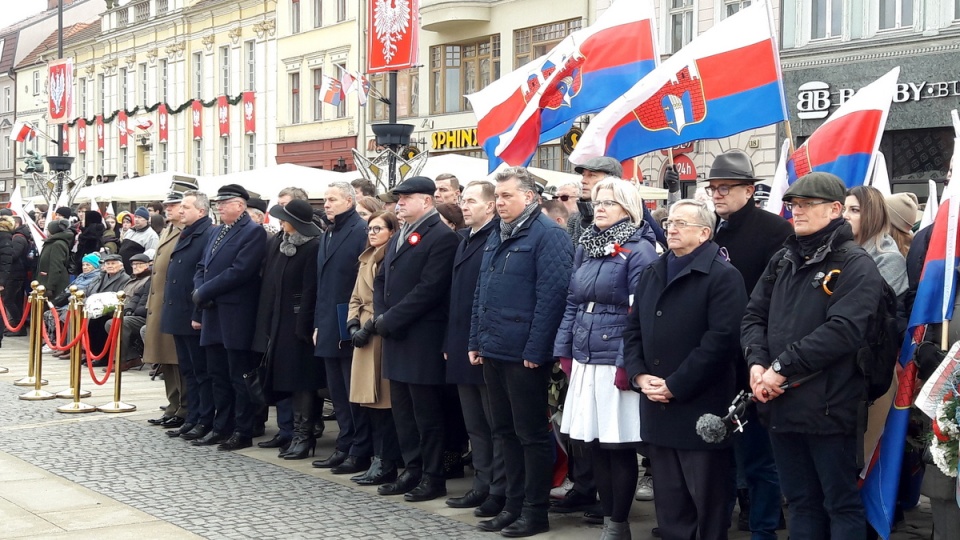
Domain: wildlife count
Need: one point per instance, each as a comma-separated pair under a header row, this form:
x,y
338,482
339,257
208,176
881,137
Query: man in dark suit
x,y
227,288
411,295
180,317
489,482
340,247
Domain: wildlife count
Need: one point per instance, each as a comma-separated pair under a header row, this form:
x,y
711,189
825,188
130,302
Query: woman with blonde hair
x,y
367,206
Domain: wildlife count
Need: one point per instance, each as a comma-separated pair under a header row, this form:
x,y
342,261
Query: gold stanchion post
x,y
38,394
117,406
29,380
72,332
76,369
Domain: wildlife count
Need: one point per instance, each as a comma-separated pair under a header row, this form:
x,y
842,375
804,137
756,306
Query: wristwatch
x,y
776,366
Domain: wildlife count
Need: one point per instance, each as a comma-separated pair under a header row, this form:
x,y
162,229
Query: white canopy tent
x,y
268,181
151,187
468,168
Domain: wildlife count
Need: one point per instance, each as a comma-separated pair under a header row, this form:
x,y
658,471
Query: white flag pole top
x,y
779,185
880,179
16,205
930,210
952,195
746,27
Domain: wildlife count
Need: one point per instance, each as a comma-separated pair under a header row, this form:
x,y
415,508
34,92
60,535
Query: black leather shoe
x,y
404,483
472,499
160,421
197,432
380,472
173,422
593,517
337,458
211,438
428,490
277,441
523,527
352,465
573,501
236,442
490,507
183,429
499,522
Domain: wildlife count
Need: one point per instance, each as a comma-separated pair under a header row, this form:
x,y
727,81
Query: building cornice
x,y
867,50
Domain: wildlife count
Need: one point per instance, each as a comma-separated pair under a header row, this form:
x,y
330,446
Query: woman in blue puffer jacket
x,y
601,410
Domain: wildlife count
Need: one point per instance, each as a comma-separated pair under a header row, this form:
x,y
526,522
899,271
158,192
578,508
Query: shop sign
x,y
454,139
680,149
816,98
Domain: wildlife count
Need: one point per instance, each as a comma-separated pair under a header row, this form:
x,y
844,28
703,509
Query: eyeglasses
x,y
564,198
376,229
723,190
806,205
680,224
605,204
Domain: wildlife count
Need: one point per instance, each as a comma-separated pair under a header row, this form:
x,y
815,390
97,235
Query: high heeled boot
x,y
304,443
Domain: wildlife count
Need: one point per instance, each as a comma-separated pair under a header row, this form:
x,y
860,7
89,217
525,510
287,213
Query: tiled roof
x,y
9,51
71,34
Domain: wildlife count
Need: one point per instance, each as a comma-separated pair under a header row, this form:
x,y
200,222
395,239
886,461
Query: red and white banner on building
x,y
122,128
82,136
163,119
393,35
196,116
99,127
223,116
60,90
65,137
249,113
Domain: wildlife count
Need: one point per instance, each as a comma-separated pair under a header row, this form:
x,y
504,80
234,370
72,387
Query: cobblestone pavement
x,y
115,476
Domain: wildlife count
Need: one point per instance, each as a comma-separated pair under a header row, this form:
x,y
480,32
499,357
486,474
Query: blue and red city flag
x,y
725,81
933,305
583,74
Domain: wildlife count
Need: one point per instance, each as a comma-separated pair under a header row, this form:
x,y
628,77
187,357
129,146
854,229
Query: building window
x,y
682,13
552,158
36,83
7,151
294,98
317,76
81,98
123,17
198,158
251,151
144,87
102,92
456,70
731,7
531,43
826,17
162,150
341,10
225,70
8,100
225,155
318,13
896,14
294,16
198,75
162,68
250,52
124,168
122,102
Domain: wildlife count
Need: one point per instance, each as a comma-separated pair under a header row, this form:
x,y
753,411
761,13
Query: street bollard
x,y
29,380
37,394
76,352
117,406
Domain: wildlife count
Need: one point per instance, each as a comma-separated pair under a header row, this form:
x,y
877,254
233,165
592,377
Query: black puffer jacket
x,y
7,249
791,317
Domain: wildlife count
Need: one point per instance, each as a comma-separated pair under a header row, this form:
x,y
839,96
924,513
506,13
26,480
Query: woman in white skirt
x,y
601,410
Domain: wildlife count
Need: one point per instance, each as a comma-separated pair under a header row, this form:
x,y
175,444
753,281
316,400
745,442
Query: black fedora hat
x,y
299,214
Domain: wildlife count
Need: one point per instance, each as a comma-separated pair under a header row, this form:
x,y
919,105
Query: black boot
x,y
304,441
381,472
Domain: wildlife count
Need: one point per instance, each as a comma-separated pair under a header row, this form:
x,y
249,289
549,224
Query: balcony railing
x,y
162,7
141,11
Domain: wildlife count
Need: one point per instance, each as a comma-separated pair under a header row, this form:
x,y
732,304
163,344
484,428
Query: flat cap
x,y
140,257
111,257
818,185
231,191
416,184
602,164
258,204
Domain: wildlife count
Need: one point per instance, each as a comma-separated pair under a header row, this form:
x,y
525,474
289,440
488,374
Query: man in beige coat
x,y
159,348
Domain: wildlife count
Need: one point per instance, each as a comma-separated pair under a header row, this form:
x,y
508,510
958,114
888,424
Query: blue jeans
x,y
818,475
755,461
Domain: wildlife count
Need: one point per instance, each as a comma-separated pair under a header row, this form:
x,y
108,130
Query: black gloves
x,y
201,304
671,179
928,357
362,336
352,326
381,327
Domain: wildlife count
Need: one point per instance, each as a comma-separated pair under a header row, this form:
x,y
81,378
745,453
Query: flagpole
x,y
789,132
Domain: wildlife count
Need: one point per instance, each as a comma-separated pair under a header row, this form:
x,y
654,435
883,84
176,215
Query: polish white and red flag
x,y
23,132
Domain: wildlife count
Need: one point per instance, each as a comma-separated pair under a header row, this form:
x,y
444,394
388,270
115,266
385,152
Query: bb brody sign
x,y
815,98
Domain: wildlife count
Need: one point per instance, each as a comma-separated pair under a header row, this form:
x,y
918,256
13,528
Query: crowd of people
x,y
433,316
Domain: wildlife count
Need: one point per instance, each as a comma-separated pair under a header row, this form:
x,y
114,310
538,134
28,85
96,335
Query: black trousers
x,y
226,367
13,302
384,431
418,415
518,407
197,385
354,437
489,475
693,487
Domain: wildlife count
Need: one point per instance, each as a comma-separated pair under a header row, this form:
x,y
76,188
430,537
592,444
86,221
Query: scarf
x,y
508,229
290,242
810,244
595,241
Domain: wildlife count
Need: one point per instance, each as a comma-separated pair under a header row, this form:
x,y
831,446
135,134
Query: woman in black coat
x,y
89,240
287,299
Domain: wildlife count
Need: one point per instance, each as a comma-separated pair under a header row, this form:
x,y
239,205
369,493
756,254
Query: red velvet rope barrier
x,y
110,347
59,333
23,320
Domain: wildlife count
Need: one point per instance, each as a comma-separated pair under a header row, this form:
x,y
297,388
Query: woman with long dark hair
x,y
866,212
